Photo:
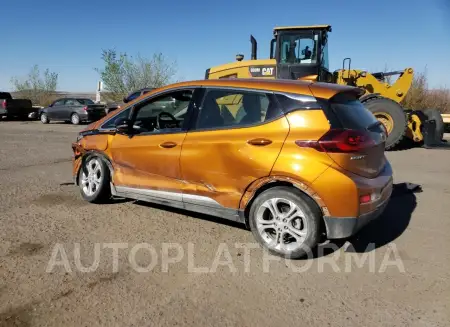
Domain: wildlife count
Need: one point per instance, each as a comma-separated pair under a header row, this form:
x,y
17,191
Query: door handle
x,y
259,142
168,145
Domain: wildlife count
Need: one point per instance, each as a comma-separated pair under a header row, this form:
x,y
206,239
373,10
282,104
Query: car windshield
x,y
85,101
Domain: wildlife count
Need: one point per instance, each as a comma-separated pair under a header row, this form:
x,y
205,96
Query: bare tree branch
x,y
39,89
122,74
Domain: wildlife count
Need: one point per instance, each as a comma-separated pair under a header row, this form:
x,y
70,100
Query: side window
x,y
111,123
164,112
293,102
325,60
224,108
59,103
72,102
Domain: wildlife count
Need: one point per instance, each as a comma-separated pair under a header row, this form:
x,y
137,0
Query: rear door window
x,y
72,102
227,108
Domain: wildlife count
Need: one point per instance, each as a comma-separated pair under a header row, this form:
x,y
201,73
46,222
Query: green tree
x,y
122,74
40,89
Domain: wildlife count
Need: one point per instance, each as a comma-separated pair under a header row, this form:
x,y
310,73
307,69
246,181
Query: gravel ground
x,y
405,280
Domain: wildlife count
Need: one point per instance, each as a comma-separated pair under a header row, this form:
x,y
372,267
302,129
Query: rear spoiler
x,y
330,91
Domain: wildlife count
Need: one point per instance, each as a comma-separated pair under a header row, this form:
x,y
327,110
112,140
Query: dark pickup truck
x,y
10,107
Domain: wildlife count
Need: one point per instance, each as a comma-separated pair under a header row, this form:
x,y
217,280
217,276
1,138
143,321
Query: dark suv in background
x,y
130,97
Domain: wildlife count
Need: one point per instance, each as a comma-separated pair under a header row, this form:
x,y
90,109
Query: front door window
x,y
164,114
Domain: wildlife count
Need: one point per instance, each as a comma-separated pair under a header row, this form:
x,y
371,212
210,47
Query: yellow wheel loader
x,y
301,53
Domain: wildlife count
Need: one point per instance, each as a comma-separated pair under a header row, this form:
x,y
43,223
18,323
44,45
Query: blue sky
x,y
68,37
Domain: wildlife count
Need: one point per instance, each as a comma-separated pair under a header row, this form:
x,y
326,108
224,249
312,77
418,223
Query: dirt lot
x,y
41,209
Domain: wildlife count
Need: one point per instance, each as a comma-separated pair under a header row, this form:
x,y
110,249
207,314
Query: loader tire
x,y
434,114
393,117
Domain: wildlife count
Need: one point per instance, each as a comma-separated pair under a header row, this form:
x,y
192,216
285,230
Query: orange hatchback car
x,y
293,160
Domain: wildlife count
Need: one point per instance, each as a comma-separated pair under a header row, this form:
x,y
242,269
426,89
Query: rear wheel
x,y
75,119
285,221
392,116
434,114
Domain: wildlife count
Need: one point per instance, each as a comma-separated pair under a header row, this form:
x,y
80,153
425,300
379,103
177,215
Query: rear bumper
x,y
16,111
342,227
91,116
341,194
346,227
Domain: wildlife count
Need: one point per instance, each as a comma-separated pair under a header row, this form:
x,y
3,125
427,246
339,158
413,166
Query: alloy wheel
x,y
91,182
281,224
75,119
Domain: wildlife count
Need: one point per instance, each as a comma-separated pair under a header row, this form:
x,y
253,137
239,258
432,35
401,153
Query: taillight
x,y
341,141
85,108
366,198
4,104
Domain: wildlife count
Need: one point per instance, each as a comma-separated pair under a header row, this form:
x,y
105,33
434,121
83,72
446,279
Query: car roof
x,y
320,89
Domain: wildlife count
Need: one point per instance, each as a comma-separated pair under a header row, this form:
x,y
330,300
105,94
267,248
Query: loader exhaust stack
x,y
254,47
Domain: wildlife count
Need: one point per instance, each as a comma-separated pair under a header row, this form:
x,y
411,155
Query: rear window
x,y
352,114
5,95
85,101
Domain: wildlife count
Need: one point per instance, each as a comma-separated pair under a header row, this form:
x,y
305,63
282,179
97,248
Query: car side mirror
x,y
123,125
125,100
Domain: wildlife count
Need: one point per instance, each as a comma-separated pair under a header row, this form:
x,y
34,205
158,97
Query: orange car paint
x,y
221,165
225,164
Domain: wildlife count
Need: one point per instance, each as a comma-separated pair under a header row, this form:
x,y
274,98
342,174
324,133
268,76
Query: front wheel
x,y
285,221
94,179
44,118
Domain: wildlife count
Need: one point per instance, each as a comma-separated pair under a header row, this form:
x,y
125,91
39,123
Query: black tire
x,y
311,212
44,118
102,192
75,119
434,114
394,110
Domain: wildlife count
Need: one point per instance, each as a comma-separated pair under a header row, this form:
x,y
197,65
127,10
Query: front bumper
x,y
343,227
76,160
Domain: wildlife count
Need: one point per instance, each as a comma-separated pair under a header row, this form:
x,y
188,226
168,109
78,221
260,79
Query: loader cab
x,y
301,52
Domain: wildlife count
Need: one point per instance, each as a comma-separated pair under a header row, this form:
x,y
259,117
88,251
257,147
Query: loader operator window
x,y
299,49
325,60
